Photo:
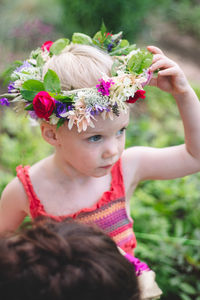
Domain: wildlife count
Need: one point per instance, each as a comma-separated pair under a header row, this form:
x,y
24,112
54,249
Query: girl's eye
x,y
121,131
95,138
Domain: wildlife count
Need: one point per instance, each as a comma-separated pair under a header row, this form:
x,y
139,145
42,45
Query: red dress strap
x,y
117,190
36,208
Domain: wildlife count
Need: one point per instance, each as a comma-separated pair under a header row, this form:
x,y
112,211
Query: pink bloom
x,y
43,105
104,86
140,266
149,76
47,45
138,94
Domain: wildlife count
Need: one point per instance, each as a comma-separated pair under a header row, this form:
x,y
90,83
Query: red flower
x,y
108,33
43,105
47,45
138,94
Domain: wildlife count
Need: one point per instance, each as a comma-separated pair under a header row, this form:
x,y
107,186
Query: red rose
x,y
47,45
138,94
43,105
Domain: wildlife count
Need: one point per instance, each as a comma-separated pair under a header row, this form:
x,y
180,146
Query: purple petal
x,y
25,65
32,114
4,102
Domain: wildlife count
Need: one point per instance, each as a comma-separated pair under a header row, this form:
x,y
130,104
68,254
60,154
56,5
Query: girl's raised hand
x,y
170,77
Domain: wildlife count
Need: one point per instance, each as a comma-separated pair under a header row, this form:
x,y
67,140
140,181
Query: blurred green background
x,y
166,213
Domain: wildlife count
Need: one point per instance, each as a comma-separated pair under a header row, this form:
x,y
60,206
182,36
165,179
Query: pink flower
x,y
104,86
47,45
43,105
138,94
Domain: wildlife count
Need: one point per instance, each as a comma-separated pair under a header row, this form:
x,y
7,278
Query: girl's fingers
x,y
157,57
160,64
154,50
169,72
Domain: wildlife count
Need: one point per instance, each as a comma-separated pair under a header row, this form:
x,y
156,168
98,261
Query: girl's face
x,y
93,152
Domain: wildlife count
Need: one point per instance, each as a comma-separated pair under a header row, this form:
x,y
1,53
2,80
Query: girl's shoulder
x,y
14,192
13,206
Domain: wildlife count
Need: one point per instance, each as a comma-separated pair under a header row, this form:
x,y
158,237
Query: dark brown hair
x,y
66,260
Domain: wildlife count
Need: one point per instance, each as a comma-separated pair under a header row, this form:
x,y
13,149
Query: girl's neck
x,y
63,170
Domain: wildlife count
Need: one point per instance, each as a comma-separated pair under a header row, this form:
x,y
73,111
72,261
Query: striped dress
x,y
109,213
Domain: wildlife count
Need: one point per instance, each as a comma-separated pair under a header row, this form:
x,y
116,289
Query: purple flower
x,y
4,101
109,47
60,108
97,109
104,86
24,65
11,87
32,114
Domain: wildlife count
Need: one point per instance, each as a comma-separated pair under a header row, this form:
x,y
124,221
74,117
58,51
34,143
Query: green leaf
x,y
33,85
40,61
81,38
103,29
29,107
187,288
62,98
6,75
184,297
122,51
60,122
139,61
28,95
58,46
51,82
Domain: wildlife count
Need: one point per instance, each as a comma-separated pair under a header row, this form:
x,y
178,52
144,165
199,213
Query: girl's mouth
x,y
106,167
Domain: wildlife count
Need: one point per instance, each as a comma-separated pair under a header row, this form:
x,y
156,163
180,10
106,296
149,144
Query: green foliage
x,y
19,144
51,82
185,13
166,213
140,61
58,46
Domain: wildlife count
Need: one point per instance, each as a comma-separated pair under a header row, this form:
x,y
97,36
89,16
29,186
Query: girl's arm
x,y
13,205
177,161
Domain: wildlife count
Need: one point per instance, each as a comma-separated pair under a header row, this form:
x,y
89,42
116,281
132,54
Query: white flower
x,y
53,119
127,81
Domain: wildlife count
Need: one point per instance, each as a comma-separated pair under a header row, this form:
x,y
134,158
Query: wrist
x,y
186,93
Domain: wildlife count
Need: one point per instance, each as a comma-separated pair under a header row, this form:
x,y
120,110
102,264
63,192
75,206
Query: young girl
x,y
90,177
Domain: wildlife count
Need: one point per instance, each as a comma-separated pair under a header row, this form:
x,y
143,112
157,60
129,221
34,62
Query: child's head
x,y
77,81
58,261
79,66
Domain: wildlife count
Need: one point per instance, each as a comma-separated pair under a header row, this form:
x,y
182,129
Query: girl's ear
x,y
49,133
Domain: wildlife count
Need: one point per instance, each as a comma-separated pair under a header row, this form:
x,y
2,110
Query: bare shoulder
x,y
13,206
14,194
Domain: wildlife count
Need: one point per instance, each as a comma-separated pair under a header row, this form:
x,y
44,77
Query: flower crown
x,y
42,98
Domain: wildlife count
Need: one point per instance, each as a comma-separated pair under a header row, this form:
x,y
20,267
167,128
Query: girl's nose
x,y
110,150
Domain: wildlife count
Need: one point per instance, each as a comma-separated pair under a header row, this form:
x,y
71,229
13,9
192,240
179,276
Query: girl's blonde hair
x,y
79,66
